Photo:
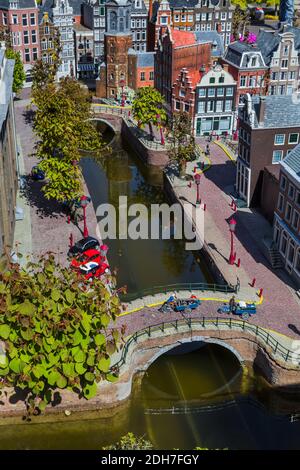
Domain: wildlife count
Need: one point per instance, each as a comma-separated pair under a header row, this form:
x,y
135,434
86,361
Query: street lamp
x,y
84,200
162,140
232,227
122,83
197,178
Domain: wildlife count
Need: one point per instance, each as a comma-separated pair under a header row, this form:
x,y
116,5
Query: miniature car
x,y
245,310
180,305
88,255
93,269
37,174
83,245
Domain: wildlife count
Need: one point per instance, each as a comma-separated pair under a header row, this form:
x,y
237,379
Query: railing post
x,y
217,322
287,356
276,346
149,331
229,322
203,322
176,324
256,330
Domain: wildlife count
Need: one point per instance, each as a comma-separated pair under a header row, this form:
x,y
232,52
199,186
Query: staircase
x,y
275,258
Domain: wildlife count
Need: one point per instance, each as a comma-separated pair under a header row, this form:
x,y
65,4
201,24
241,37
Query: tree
x,y
62,124
43,72
19,73
131,442
53,325
147,108
182,140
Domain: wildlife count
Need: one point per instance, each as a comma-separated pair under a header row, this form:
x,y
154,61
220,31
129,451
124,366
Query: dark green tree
x,y
182,140
147,108
19,73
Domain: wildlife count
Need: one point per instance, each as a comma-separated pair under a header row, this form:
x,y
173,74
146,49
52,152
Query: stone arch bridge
x,y
252,345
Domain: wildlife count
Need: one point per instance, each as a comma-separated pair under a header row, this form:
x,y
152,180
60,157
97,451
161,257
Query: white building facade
x,y
63,20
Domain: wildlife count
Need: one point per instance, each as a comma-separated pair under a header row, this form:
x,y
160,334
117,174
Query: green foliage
x,y
63,127
147,107
43,72
182,140
53,326
19,73
131,442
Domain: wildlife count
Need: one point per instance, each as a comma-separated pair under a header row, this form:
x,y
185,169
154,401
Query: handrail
x,y
277,349
177,287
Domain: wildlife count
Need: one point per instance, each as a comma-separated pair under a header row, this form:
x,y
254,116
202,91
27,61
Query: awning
x,y
85,67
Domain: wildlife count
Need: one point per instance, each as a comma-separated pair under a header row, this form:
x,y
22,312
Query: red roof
x,y
194,77
183,38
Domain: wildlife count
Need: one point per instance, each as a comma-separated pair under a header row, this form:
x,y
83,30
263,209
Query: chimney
x,y
261,110
225,67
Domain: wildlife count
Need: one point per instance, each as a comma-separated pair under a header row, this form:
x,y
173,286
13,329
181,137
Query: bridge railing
x,y
203,286
266,339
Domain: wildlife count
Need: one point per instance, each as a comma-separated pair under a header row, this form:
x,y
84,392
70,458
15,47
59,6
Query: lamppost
x,y
84,200
162,139
197,179
122,83
232,227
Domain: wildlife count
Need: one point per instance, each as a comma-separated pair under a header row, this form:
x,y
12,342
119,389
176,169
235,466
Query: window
x,y
220,91
24,20
283,75
279,139
182,92
4,18
211,92
283,182
182,17
210,106
33,36
277,156
201,107
291,252
292,75
286,50
283,243
164,20
295,220
291,191
186,107
253,61
228,105
202,92
14,19
27,55
288,212
280,202
281,90
32,19
219,106
151,75
177,105
229,91
34,53
142,76
243,80
212,80
293,138
26,37
274,76
298,198
284,64
176,19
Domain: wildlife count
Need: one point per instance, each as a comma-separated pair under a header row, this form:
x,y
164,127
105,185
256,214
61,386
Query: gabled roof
x,y
292,160
268,41
280,111
236,50
215,38
182,38
183,3
142,9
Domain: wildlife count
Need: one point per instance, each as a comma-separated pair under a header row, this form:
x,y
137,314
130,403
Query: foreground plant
x,y
131,442
54,332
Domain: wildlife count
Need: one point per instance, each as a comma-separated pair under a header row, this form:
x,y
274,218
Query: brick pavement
x,y
48,220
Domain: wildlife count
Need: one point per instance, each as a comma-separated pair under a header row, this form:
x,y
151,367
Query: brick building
x,y
183,92
118,40
8,164
247,66
269,130
140,69
160,16
286,232
20,17
177,50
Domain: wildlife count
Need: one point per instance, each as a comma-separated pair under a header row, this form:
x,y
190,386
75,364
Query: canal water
x,y
140,263
192,397
187,399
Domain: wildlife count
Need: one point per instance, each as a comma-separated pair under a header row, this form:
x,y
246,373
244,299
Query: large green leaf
x,y
103,364
79,368
111,377
68,370
89,376
38,371
55,295
80,356
90,391
53,377
99,339
16,365
4,331
61,381
26,308
27,334
70,296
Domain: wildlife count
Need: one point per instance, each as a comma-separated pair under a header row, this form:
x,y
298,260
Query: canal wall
x,y
206,252
150,152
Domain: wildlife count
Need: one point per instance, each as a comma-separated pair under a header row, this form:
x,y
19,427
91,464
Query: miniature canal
x,y
195,396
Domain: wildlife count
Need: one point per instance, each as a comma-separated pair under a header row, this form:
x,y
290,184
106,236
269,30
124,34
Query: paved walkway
x,y
44,227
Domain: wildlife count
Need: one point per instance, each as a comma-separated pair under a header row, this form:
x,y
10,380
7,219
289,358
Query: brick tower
x,y
118,39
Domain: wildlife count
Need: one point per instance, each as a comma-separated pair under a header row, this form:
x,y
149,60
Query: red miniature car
x,y
93,269
88,255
